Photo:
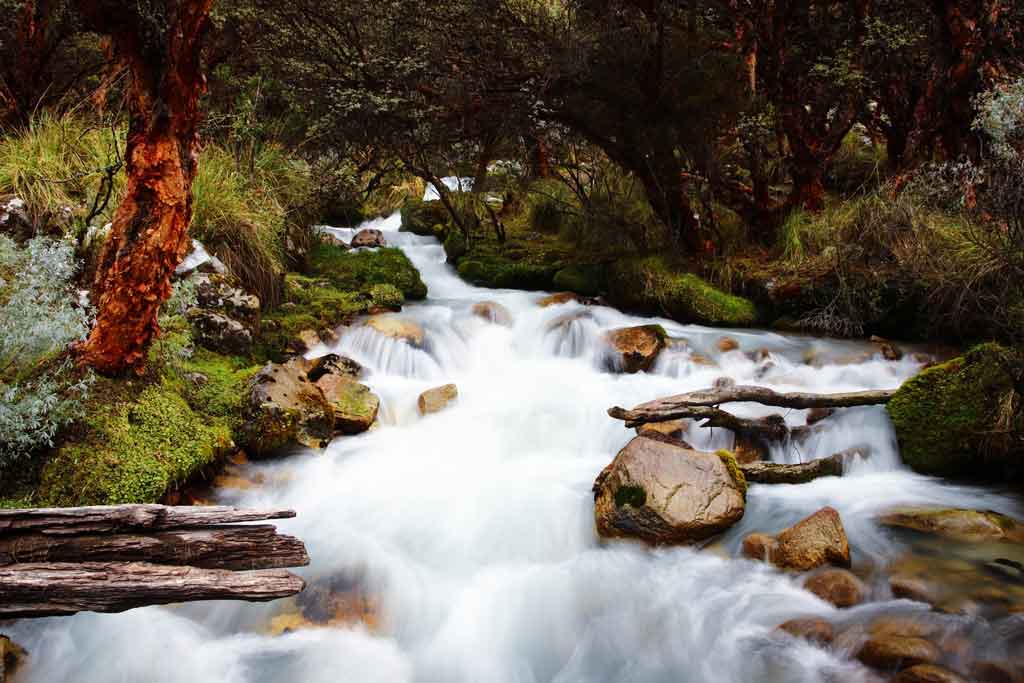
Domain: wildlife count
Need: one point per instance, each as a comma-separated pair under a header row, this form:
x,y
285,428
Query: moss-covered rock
x,y
355,406
651,284
386,296
420,217
586,279
945,417
358,271
133,450
284,407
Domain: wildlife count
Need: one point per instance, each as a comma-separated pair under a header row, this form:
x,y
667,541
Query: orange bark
x,y
149,237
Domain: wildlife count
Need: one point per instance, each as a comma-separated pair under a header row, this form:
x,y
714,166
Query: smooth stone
x,y
493,312
355,406
892,653
635,349
402,329
812,629
928,673
437,399
837,586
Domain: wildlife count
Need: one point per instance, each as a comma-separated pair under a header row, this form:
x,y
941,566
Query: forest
x,y
478,287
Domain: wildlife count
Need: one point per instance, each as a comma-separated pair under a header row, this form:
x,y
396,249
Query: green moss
x,y
651,284
222,393
420,217
729,459
387,296
943,415
585,279
133,450
630,494
358,271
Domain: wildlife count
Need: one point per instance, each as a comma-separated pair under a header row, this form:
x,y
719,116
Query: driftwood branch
x,y
238,548
42,590
775,473
109,518
772,428
689,405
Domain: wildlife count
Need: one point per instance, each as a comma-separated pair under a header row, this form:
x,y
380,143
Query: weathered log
x,y
772,428
114,518
775,473
688,405
229,547
42,590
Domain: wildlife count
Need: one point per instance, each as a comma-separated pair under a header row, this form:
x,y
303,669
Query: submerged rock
x,y
813,629
437,399
893,652
635,349
837,586
493,312
928,673
812,542
558,298
283,406
369,238
397,328
961,525
663,493
355,406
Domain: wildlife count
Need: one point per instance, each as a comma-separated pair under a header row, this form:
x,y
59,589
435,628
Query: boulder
x,y
493,312
674,429
305,340
223,293
837,586
437,399
961,525
395,327
14,219
333,364
910,588
283,406
420,217
664,493
813,629
928,673
893,653
726,344
369,238
355,406
635,349
199,260
219,332
813,542
558,299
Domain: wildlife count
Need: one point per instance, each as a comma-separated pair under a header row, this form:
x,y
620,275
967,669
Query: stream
x,y
465,540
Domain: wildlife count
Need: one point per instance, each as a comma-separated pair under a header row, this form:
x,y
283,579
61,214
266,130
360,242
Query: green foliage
x,y
728,458
585,279
358,271
946,416
386,296
651,284
420,217
630,494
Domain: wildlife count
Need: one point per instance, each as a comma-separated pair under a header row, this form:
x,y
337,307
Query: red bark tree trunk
x,y
150,230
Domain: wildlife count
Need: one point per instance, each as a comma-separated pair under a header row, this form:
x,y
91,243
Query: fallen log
x,y
693,403
109,518
223,547
770,428
776,473
45,590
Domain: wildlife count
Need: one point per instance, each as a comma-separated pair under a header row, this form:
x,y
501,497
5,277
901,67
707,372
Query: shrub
x,y
39,318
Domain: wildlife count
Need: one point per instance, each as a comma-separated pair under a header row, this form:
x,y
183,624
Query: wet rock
x,y
928,673
674,429
837,586
910,588
283,406
813,542
557,299
437,399
333,364
961,525
402,329
997,671
749,450
635,349
493,312
888,350
813,629
893,653
727,344
12,656
355,406
219,332
816,415
369,238
889,626
663,493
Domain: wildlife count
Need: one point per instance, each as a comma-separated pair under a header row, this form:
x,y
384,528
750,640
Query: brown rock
x,y
902,626
664,493
813,542
674,429
892,653
748,449
355,406
837,586
368,238
557,298
307,340
437,399
928,673
759,547
333,364
909,588
997,671
726,344
635,348
397,328
284,406
12,656
962,525
493,312
813,629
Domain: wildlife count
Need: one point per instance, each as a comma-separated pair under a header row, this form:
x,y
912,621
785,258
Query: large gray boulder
x,y
659,491
225,318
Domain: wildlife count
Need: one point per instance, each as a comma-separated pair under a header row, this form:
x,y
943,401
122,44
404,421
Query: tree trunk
x,y
150,231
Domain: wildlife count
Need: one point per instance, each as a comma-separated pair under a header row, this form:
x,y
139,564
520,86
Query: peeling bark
x,y
150,229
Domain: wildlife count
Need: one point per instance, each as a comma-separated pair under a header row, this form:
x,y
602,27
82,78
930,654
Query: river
x,y
471,531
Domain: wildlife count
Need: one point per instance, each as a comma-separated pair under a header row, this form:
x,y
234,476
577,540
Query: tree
x,y
160,42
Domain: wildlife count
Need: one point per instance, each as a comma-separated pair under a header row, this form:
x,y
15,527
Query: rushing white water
x,y
473,528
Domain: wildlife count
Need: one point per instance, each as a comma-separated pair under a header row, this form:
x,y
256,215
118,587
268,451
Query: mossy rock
x,y
419,217
454,246
386,296
133,451
945,416
499,273
588,280
731,464
650,284
357,271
